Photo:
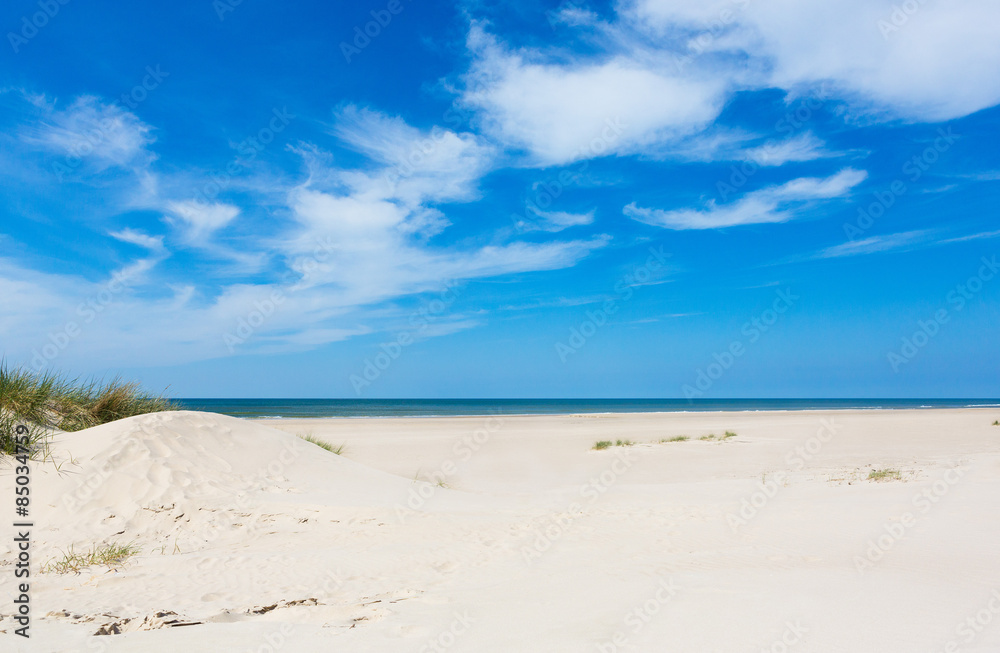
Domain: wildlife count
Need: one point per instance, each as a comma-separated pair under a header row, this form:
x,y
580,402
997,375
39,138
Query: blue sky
x,y
419,199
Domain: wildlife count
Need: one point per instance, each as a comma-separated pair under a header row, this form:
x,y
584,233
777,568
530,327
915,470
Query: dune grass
x,y
676,438
729,434
607,444
108,555
996,422
45,400
323,444
706,438
885,475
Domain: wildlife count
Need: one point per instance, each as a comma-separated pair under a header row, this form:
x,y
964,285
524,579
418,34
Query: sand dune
x,y
512,534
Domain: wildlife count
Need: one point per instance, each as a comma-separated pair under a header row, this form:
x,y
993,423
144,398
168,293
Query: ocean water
x,y
284,408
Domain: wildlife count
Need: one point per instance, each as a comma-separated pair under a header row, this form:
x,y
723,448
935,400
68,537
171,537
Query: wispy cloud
x,y
553,221
901,241
92,130
872,244
767,205
200,219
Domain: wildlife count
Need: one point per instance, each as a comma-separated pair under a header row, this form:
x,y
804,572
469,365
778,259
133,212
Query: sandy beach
x,y
511,533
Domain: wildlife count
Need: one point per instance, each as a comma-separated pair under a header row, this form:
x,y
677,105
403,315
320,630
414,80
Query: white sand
x,y
537,543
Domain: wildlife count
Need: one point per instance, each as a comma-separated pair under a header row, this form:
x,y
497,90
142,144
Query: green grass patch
x,y
676,438
996,422
323,444
706,438
603,444
624,443
108,555
729,434
885,475
43,401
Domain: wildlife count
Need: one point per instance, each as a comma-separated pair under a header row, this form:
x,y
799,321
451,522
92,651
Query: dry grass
x,y
108,555
885,475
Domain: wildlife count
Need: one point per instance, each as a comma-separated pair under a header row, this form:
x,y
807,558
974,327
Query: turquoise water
x,y
276,408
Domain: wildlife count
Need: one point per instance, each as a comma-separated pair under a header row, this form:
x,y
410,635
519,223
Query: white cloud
x,y
720,144
553,221
200,219
767,205
95,131
804,147
874,244
666,68
564,112
975,236
415,166
154,243
935,63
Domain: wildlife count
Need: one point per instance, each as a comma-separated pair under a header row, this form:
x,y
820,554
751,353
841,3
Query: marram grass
x,y
108,555
43,401
323,444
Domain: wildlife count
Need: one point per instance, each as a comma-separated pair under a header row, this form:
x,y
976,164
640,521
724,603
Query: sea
x,y
360,408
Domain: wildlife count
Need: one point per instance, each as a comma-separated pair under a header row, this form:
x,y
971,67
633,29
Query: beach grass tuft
x,y
43,401
603,444
885,475
729,434
108,555
996,422
706,438
323,444
624,443
676,438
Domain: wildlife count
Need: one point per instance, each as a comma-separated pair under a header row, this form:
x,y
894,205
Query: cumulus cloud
x,y
767,205
666,68
565,112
